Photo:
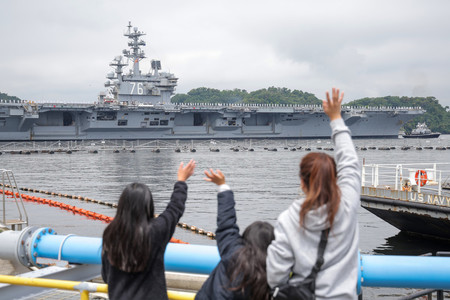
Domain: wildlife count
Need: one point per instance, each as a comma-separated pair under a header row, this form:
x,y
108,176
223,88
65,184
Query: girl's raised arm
x,y
227,233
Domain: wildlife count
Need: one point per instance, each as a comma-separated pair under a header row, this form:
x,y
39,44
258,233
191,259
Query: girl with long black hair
x,y
241,272
135,241
332,198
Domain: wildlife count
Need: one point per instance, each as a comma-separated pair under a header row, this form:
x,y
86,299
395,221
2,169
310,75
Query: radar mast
x,y
136,54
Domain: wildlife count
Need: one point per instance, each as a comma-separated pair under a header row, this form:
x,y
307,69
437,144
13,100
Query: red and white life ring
x,y
421,177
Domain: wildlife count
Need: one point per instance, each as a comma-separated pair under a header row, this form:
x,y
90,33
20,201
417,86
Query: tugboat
x,y
422,132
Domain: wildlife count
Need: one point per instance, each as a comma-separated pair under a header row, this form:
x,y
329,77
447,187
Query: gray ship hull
x,y
46,122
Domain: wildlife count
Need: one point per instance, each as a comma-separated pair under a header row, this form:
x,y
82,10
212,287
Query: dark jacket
x,y
228,242
151,283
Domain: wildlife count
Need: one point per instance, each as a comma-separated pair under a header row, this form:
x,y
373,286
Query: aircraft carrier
x,y
137,106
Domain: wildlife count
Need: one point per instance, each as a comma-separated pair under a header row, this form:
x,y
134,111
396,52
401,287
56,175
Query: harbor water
x,y
264,182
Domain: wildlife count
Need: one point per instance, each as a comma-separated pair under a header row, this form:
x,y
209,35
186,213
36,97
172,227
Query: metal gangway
x,y
12,197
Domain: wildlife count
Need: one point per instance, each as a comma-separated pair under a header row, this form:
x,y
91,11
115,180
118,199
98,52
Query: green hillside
x,y
436,117
271,95
4,96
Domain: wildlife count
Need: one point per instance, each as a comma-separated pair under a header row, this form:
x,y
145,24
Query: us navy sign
x,y
430,199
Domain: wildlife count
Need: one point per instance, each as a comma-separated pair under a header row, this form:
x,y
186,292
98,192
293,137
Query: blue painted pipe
x,y
190,258
427,272
74,249
187,258
375,271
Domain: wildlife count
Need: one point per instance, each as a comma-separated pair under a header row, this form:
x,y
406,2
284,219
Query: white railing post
x,y
376,176
397,167
363,175
372,175
440,183
419,182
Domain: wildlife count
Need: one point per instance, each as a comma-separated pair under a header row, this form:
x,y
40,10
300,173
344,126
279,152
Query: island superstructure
x,y
137,105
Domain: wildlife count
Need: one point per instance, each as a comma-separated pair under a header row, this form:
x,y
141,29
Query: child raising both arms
x,y
241,272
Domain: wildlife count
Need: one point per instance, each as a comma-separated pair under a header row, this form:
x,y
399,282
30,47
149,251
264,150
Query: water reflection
x,y
411,244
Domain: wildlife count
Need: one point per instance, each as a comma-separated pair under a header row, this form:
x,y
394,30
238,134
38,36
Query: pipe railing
x,y
7,178
85,288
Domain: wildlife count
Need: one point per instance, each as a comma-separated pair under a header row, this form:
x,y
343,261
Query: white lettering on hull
x,y
429,199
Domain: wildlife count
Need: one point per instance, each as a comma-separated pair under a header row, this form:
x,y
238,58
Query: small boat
x,y
422,132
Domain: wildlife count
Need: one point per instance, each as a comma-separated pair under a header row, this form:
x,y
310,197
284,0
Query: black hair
x,y
126,240
248,266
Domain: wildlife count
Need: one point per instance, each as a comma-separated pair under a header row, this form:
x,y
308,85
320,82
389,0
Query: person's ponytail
x,y
319,177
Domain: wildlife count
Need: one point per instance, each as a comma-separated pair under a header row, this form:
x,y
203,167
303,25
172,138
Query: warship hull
x,y
44,122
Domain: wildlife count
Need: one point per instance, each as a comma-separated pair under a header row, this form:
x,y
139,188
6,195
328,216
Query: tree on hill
x,y
275,95
272,95
208,95
4,96
436,117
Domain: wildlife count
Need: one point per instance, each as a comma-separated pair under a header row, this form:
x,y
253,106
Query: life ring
x,y
422,174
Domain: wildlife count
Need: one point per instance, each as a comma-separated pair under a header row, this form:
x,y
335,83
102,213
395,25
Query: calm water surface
x,y
264,182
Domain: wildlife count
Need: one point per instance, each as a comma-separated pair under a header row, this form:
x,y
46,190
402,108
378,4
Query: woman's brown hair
x,y
319,177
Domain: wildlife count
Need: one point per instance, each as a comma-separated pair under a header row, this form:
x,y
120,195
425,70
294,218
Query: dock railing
x,y
17,223
421,177
85,288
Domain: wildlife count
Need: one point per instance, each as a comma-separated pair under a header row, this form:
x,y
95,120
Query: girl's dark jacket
x,y
228,241
151,283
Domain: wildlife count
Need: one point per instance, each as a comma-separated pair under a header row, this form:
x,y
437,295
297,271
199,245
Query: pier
x,y
411,197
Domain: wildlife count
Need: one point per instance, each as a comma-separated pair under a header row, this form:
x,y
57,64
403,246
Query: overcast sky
x,y
61,50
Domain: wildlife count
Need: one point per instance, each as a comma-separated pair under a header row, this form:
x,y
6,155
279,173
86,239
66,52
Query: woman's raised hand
x,y
184,172
332,107
218,177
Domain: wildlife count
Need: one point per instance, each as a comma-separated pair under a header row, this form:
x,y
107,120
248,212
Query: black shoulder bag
x,y
304,290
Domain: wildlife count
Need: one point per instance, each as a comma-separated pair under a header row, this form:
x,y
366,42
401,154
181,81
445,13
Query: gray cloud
x,y
60,50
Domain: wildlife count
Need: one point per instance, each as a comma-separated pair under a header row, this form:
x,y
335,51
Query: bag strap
x,y
310,281
320,252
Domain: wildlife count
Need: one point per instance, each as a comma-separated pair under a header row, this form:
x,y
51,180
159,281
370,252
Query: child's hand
x,y
218,177
333,107
184,172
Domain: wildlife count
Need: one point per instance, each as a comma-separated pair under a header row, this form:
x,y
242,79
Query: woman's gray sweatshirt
x,y
295,248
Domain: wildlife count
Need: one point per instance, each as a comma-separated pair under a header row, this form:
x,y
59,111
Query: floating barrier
x,y
75,210
111,204
61,205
